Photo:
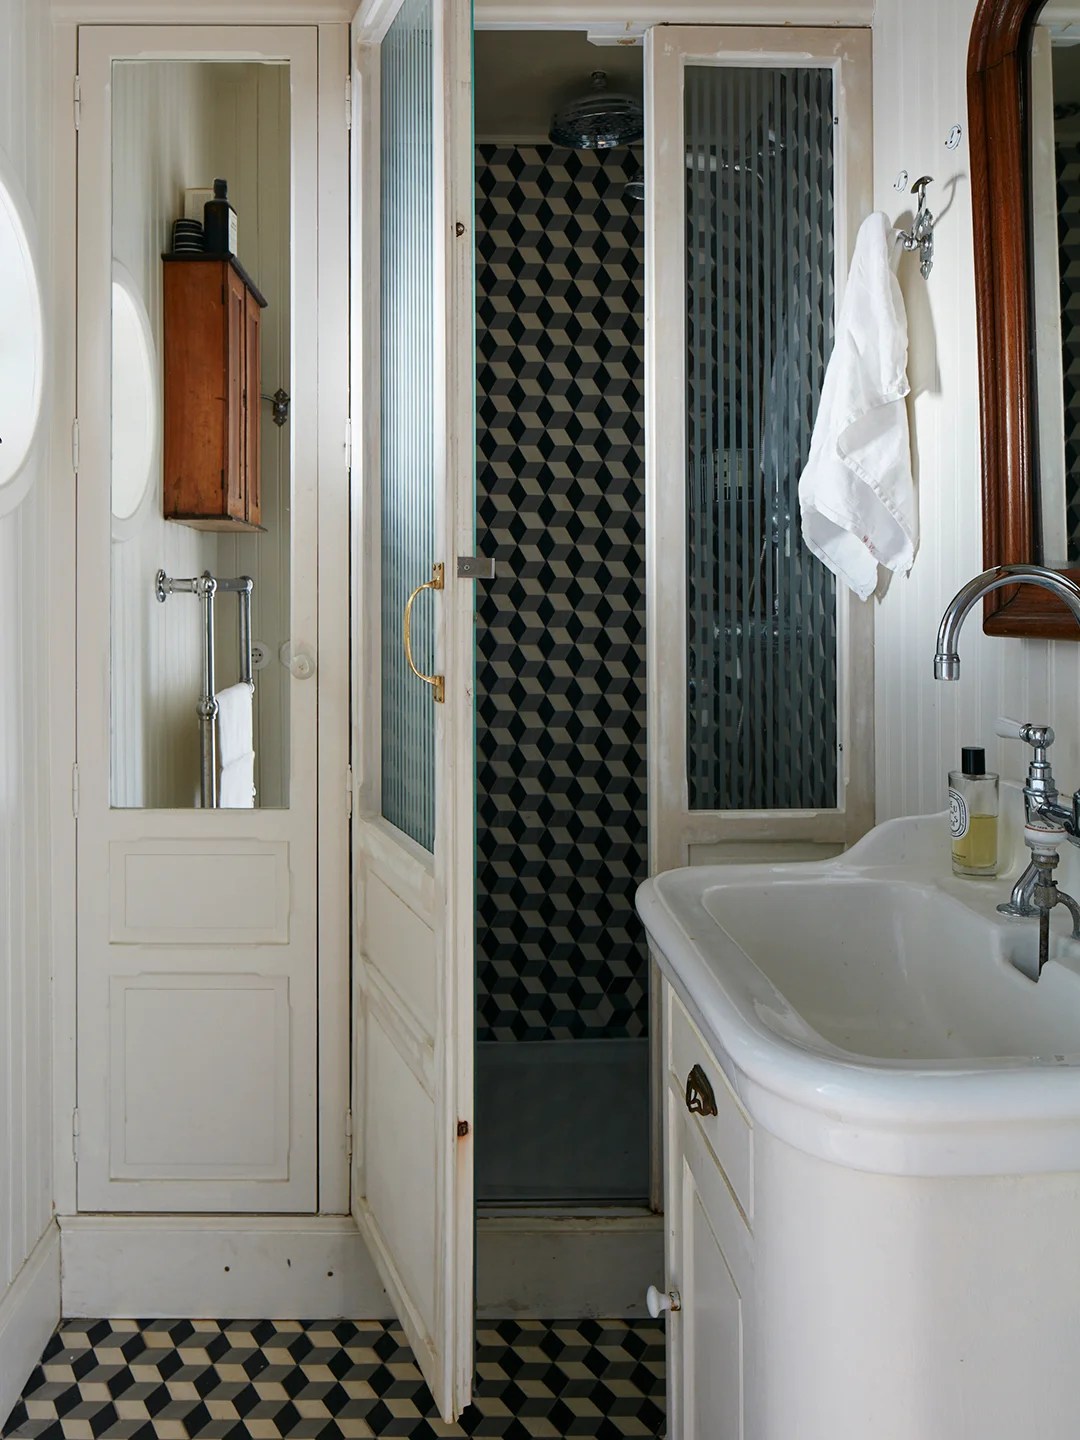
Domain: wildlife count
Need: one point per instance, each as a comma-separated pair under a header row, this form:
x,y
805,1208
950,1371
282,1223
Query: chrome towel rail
x,y
206,587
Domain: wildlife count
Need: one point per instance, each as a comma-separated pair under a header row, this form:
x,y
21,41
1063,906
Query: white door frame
x,y
332,770
677,835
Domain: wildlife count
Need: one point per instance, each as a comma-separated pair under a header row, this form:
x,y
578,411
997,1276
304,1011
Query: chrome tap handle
x,y
1040,787
1040,737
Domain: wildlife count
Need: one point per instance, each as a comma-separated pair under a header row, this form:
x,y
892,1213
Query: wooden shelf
x,y
213,384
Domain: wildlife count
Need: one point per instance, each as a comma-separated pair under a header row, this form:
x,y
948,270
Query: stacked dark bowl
x,y
187,237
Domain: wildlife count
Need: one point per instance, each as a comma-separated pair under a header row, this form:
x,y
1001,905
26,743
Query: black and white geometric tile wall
x,y
181,1379
561,631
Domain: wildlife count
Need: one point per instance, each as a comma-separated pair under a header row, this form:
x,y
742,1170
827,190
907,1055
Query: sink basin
x,y
866,1009
891,969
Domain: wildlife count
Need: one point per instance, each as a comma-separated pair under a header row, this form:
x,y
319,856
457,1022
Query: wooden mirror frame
x,y
998,55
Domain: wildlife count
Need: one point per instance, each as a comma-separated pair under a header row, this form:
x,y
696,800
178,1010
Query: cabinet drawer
x,y
728,1133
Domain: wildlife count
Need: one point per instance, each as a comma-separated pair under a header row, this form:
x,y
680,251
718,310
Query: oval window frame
x,y
124,527
15,202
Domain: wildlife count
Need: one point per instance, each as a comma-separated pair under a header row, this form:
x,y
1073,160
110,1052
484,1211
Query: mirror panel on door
x,y
200,349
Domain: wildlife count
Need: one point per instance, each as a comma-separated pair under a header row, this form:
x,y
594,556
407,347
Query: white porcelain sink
x,y
865,1009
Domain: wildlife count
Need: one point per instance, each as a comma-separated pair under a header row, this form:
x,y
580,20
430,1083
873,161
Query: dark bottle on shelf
x,y
219,222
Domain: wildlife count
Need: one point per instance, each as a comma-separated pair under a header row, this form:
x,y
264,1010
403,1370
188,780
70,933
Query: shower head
x,y
634,188
600,120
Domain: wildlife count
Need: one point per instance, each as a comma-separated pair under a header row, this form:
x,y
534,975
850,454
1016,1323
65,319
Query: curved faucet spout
x,y
947,660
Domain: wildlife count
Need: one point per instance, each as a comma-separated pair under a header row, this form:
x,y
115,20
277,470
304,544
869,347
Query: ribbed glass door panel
x,y
407,404
761,636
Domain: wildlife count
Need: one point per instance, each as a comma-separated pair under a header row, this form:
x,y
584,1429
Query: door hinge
x,y
348,102
348,444
75,1134
75,445
76,101
348,791
348,1134
75,790
462,1128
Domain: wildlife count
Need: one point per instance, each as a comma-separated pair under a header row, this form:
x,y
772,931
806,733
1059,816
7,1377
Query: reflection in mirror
x,y
190,349
21,331
135,389
1055,236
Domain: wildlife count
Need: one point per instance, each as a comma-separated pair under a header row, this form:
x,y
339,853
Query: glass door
x,y
413,682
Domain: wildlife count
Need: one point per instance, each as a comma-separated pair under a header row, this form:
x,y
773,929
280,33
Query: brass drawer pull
x,y
438,689
700,1099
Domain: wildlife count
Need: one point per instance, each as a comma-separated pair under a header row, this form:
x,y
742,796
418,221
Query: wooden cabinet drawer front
x,y
728,1133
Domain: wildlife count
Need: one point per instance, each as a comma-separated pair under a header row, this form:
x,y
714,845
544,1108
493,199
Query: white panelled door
x,y
414,816
197,935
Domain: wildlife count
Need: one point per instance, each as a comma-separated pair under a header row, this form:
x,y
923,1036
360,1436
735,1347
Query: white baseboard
x,y
292,1267
565,1267
227,1267
29,1313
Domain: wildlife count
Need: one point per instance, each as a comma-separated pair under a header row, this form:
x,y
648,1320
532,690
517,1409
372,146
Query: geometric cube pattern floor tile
x,y
177,1379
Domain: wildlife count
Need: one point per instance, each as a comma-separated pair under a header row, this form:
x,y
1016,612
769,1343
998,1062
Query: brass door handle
x,y
437,683
700,1099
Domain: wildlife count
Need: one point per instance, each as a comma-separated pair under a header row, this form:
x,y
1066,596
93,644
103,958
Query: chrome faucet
x,y
947,661
1046,820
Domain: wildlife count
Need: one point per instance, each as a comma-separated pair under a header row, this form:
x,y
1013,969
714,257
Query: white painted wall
x,y
25,957
920,54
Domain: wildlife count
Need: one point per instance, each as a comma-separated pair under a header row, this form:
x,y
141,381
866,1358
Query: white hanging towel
x,y
856,493
236,787
236,748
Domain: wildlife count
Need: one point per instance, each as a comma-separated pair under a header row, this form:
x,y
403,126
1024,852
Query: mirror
x,y
1055,238
198,343
1020,73
22,331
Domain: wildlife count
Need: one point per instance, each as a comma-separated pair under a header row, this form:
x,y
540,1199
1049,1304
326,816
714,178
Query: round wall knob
x,y
298,660
657,1301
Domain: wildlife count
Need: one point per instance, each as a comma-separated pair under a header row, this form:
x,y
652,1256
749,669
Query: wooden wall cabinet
x,y
213,385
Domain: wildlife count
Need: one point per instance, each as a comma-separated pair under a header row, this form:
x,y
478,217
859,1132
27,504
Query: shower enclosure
x,y
562,977
751,634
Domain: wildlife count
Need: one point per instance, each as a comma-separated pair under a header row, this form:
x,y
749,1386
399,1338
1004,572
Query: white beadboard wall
x,y
250,149
920,55
25,963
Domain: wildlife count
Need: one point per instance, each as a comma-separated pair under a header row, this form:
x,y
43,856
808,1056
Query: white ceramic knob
x,y
299,662
657,1301
1008,729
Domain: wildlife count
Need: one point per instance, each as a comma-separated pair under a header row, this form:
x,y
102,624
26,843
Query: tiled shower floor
x,y
175,1379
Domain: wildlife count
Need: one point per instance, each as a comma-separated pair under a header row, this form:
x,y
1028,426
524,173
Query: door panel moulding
x,y
281,1267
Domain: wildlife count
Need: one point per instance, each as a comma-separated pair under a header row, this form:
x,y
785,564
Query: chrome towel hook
x,y
921,235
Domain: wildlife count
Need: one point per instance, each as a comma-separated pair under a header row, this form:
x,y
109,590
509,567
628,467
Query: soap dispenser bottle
x,y
973,815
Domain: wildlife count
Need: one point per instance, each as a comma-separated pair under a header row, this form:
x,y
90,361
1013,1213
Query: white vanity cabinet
x,y
710,1259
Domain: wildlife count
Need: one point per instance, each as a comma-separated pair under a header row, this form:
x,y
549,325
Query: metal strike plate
x,y
475,567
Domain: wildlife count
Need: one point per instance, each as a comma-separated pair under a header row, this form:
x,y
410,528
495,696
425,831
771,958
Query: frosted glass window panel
x,y
761,632
407,440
